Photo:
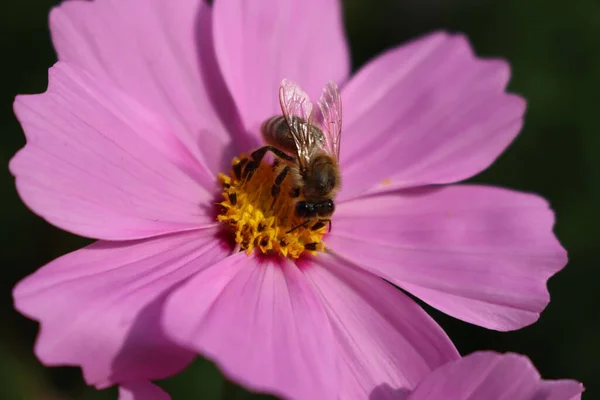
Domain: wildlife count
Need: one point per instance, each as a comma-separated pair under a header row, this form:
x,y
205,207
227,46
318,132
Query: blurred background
x,y
554,50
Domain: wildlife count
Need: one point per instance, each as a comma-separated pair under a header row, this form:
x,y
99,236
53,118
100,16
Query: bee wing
x,y
298,112
330,105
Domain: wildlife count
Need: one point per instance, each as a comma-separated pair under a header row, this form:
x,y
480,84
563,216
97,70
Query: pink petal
x,y
383,336
492,376
427,112
95,163
262,324
99,307
258,43
161,54
142,391
481,254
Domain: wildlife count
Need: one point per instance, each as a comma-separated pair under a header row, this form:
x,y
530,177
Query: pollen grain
x,y
260,222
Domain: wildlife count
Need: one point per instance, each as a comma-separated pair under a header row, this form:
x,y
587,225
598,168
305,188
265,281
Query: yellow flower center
x,y
261,221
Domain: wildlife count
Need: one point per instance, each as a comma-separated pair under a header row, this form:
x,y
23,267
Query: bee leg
x,y
257,155
321,223
277,185
299,226
249,170
239,167
256,159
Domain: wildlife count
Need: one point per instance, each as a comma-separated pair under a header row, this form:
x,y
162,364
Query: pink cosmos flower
x,y
151,99
142,391
489,376
481,375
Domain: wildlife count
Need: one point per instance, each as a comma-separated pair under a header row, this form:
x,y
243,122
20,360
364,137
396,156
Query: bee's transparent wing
x,y
330,105
298,112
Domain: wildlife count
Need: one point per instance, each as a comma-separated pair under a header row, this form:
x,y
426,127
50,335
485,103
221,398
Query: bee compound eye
x,y
324,208
330,206
302,209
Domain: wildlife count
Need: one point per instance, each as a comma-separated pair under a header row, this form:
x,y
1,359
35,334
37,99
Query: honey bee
x,y
306,145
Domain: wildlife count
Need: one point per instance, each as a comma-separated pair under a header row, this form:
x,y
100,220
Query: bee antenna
x,y
299,226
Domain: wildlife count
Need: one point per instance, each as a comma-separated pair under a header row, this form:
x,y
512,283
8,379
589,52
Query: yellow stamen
x,y
258,222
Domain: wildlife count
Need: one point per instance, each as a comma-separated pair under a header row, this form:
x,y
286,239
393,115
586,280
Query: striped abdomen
x,y
276,132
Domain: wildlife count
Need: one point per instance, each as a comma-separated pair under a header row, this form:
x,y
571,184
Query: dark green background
x,y
554,49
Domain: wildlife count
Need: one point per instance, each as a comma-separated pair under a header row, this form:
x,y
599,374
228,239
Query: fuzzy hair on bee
x,y
311,143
